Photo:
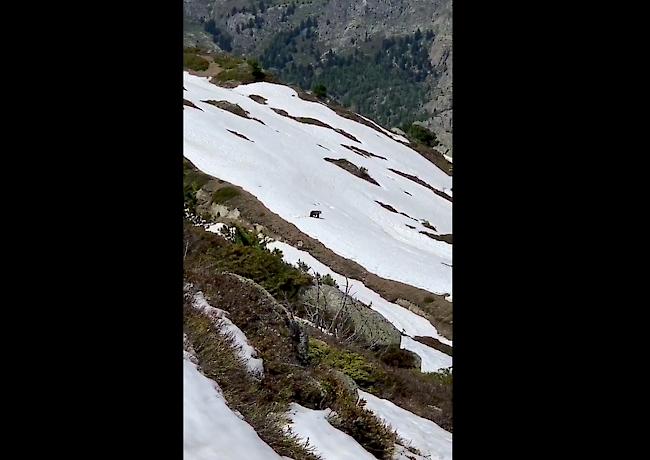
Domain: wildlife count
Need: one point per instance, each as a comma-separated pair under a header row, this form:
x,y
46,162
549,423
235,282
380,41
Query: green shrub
x,y
249,259
356,421
224,194
238,74
195,62
320,91
256,70
394,356
369,431
421,135
226,61
240,71
302,266
328,280
351,364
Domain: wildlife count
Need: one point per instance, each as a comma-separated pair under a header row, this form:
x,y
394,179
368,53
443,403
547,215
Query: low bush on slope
x,y
388,373
195,62
239,71
248,258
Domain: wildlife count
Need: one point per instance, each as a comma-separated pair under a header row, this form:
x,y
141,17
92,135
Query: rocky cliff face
x,y
348,28
440,105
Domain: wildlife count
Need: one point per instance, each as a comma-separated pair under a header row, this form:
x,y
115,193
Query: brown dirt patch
x,y
352,169
428,225
235,109
240,135
392,209
387,206
258,99
314,121
363,153
191,104
435,343
447,237
417,180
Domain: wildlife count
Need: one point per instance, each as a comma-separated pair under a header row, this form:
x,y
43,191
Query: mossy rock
x,y
372,327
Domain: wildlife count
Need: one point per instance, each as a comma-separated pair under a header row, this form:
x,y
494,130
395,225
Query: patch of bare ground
x,y
323,147
258,99
363,153
434,307
237,134
428,225
191,104
417,180
392,209
435,343
305,96
432,155
447,237
235,109
225,84
352,169
387,206
410,226
315,122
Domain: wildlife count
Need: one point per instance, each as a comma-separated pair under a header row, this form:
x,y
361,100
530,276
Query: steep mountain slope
x,y
264,368
280,156
402,48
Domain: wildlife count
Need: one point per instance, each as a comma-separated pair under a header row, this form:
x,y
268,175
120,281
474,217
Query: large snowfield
x,y
282,164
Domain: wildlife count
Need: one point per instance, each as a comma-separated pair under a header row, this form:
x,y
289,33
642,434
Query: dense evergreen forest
x,y
388,83
384,79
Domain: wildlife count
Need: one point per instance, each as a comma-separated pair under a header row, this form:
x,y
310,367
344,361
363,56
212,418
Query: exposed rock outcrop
x,y
369,325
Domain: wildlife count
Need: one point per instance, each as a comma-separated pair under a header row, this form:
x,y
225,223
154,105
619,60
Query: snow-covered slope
x,y
328,442
431,440
281,162
211,430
